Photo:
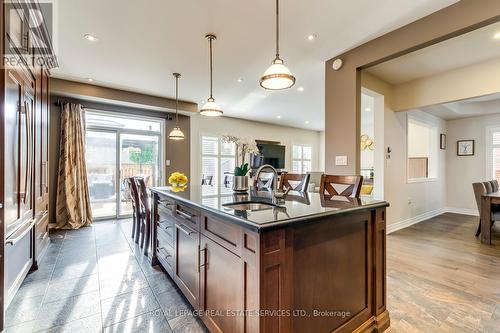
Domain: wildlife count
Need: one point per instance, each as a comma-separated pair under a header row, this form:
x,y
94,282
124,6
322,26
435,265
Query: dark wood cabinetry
x,y
24,131
326,274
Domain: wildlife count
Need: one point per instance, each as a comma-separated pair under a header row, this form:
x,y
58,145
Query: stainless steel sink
x,y
249,205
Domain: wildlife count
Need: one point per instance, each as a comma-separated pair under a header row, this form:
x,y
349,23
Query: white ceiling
x,y
474,107
142,42
471,48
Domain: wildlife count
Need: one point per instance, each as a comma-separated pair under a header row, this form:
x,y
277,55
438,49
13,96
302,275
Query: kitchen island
x,y
252,263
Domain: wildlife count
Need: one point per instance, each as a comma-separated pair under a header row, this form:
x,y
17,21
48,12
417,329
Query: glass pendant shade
x,y
277,76
211,109
176,134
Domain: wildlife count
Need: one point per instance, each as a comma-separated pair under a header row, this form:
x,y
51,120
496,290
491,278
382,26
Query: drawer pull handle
x,y
20,233
184,230
185,215
165,228
168,255
204,256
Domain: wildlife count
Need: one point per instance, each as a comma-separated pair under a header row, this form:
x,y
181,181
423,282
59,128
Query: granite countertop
x,y
297,207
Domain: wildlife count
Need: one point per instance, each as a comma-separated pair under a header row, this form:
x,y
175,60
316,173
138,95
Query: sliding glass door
x,y
139,157
120,146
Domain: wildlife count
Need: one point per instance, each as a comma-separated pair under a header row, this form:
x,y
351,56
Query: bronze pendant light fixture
x,y
277,76
210,108
176,133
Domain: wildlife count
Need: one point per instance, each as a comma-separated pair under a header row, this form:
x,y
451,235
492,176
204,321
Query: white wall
x,y
411,200
287,136
465,170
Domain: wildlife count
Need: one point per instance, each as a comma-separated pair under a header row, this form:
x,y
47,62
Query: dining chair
x,y
346,186
145,214
481,189
302,181
136,216
207,180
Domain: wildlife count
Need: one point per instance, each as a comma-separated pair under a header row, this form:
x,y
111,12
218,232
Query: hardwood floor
x,y
442,279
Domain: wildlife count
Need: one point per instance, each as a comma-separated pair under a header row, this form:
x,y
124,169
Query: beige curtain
x,y
73,200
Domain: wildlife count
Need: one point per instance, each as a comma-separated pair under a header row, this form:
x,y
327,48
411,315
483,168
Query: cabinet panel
x,y
222,288
187,262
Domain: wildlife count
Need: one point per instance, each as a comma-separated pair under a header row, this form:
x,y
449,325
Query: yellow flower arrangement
x,y
178,179
176,189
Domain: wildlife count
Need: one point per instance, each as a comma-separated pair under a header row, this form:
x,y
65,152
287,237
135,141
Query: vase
x,y
240,183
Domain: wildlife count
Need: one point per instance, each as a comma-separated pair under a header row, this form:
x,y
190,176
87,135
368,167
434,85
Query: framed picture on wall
x,y
442,141
465,148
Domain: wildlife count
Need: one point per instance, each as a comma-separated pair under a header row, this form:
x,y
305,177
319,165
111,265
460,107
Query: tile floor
x,y
96,280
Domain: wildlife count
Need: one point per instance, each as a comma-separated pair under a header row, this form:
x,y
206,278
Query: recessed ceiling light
x,y
239,80
301,89
312,37
90,79
307,121
90,37
497,35
368,110
279,117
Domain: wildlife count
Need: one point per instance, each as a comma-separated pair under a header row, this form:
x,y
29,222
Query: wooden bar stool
x,y
351,184
145,214
134,196
303,180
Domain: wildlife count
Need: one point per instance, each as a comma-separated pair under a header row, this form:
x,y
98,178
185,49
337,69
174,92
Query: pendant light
x,y
210,108
277,76
176,133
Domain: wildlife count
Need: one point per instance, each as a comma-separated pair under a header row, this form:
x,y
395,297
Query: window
x,y
493,155
301,159
422,149
217,160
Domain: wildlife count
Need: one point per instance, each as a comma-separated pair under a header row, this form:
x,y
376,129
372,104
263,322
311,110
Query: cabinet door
x,y
187,247
222,288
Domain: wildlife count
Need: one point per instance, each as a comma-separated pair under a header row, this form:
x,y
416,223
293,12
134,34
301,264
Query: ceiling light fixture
x,y
90,79
211,108
279,117
307,121
90,37
368,110
497,35
176,133
312,37
239,80
277,76
301,89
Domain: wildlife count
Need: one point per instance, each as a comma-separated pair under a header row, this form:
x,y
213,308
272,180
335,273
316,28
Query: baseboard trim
x,y
428,215
414,220
462,211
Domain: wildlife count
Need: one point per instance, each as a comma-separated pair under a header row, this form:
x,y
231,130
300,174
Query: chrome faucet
x,y
267,169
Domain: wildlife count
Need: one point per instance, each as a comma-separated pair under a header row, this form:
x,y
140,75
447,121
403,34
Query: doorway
x,y
120,146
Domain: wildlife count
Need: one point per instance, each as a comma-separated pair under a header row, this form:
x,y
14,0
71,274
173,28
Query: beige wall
x,y
462,83
178,152
465,170
409,200
342,88
287,136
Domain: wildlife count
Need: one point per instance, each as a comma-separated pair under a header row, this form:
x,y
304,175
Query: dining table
x,y
487,201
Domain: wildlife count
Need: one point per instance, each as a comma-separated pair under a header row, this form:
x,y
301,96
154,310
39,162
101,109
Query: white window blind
x,y
493,153
301,159
218,159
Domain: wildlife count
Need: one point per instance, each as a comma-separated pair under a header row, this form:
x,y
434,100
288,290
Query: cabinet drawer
x,y
188,216
226,234
166,235
165,255
165,207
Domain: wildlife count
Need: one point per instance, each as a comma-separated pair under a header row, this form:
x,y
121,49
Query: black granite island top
x,y
297,207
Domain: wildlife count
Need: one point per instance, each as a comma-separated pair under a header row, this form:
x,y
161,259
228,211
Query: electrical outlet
x,y
341,160
167,163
